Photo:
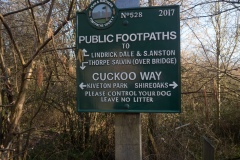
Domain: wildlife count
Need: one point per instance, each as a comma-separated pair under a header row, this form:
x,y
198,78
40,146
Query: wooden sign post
x,y
128,140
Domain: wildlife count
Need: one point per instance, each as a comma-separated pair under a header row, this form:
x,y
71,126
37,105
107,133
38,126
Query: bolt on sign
x,y
128,60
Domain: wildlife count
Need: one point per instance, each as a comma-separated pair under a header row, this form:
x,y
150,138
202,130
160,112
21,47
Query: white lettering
x,y
114,76
152,36
150,75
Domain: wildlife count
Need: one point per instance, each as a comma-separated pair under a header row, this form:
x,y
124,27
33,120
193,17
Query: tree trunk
x,y
218,56
17,108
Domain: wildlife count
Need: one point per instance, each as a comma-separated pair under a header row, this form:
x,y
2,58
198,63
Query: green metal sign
x,y
128,60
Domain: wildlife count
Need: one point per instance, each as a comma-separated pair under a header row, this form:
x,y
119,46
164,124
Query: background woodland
x,y
38,117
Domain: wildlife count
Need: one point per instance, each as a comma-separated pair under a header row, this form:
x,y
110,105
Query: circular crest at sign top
x,y
102,14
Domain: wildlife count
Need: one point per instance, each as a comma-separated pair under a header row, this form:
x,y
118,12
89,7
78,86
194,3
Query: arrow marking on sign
x,y
82,85
83,66
85,51
174,85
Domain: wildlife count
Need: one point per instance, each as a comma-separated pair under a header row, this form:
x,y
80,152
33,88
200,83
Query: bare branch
x,y
12,39
51,37
24,9
211,15
34,22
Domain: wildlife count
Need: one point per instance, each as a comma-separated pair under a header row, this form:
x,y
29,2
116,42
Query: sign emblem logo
x,y
102,14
